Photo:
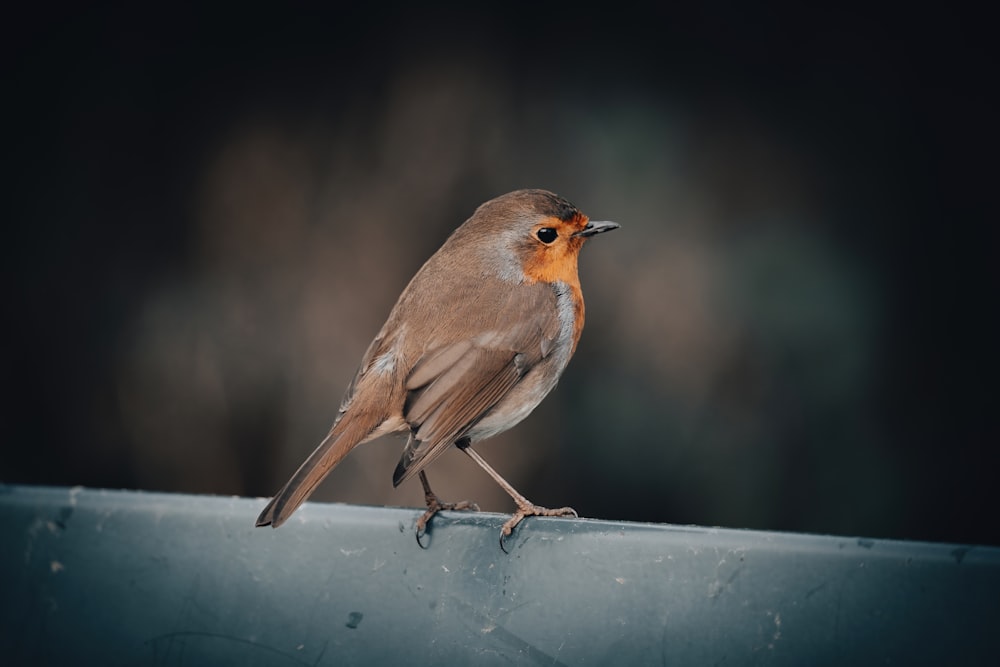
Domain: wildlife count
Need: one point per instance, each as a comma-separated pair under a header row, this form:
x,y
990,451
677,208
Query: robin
x,y
477,339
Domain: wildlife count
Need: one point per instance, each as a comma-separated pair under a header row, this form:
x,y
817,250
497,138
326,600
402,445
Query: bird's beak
x,y
593,228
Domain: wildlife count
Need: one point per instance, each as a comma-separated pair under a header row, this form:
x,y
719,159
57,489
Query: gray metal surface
x,y
115,578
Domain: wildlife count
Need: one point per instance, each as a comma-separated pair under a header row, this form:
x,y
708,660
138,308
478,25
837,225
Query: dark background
x,y
211,212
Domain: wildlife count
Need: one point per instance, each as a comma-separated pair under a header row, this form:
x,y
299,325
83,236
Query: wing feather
x,y
454,385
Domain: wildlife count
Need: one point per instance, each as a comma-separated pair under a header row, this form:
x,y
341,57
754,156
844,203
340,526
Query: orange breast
x,y
558,263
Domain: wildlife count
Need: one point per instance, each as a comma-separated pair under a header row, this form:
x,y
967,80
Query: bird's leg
x,y
435,505
525,507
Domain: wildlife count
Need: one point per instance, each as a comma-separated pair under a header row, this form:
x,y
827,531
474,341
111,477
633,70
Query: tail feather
x,y
337,444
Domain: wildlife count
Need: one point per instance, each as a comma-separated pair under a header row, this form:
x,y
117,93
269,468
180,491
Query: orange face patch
x,y
555,260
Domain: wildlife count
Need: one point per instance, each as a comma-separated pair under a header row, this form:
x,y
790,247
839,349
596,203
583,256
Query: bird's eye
x,y
547,235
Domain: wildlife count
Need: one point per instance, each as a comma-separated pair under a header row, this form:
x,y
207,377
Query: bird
x,y
480,335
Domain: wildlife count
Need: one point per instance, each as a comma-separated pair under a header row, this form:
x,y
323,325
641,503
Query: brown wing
x,y
452,386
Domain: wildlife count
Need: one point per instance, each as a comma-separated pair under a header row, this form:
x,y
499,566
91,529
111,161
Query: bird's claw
x,y
421,528
524,512
434,505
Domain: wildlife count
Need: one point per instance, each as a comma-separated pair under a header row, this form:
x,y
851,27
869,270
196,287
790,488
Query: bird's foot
x,y
435,505
530,509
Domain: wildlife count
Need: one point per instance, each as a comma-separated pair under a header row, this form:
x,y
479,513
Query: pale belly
x,y
521,400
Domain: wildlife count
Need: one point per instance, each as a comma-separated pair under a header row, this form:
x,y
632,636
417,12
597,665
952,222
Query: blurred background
x,y
211,213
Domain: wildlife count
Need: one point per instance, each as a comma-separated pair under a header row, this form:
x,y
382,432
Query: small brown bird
x,y
477,339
